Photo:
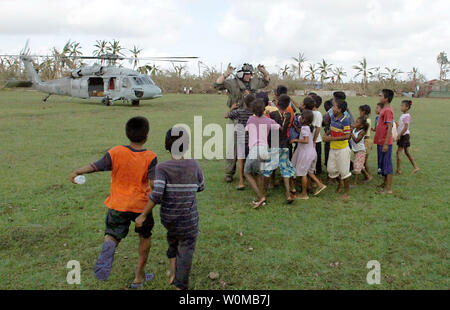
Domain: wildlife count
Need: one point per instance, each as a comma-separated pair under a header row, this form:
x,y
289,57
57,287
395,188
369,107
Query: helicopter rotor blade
x,y
15,55
89,57
174,57
166,60
26,49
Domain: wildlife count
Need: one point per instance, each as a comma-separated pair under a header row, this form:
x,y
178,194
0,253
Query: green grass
x,y
47,221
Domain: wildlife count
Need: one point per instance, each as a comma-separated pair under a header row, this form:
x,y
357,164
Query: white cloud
x,y
112,17
400,33
389,33
156,26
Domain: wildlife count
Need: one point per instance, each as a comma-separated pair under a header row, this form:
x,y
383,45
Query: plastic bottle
x,y
80,179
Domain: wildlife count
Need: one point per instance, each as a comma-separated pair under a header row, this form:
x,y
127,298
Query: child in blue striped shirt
x,y
176,183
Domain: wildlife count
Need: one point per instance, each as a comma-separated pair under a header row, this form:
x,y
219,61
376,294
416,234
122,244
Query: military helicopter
x,y
108,83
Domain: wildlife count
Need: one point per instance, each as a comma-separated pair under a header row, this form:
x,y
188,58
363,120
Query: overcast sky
x,y
397,34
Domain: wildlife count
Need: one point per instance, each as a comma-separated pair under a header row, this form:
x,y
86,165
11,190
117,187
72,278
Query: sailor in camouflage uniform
x,y
238,87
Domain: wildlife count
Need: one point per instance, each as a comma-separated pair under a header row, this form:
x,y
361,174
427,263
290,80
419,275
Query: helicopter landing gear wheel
x,y
106,102
135,103
44,100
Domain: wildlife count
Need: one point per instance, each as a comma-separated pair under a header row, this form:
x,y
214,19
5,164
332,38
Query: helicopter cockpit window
x,y
138,80
143,80
147,80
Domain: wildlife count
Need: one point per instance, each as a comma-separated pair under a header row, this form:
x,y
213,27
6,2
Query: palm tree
x,y
155,70
75,49
443,62
115,49
47,69
101,48
374,74
324,69
377,74
311,72
149,69
413,74
210,72
300,60
55,63
339,73
179,69
135,51
145,69
364,71
393,73
284,71
65,61
10,67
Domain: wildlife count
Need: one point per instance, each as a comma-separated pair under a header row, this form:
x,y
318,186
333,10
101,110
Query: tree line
x,y
300,74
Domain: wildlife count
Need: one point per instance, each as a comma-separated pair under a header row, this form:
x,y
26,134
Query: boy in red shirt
x,y
383,139
132,173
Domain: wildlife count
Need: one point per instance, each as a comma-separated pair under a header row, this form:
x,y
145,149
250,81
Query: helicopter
x,y
109,83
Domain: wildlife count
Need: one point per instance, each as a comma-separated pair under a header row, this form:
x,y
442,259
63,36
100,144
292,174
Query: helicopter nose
x,y
156,91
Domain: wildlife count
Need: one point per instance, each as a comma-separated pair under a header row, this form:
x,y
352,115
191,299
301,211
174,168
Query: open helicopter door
x,y
112,88
96,87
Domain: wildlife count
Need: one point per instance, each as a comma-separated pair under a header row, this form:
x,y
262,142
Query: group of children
x,y
270,136
138,182
297,148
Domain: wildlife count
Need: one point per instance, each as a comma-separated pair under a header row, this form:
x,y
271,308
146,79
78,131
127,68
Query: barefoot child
x,y
242,115
378,109
132,171
327,105
258,127
358,147
339,157
176,183
304,158
364,111
287,170
383,139
403,136
317,124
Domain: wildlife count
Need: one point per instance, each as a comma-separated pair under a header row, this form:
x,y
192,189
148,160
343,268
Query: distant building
x,y
315,85
438,89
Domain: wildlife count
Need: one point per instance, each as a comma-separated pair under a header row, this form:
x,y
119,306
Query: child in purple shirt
x,y
305,156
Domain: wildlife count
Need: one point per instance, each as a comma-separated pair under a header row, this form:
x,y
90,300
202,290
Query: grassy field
x,y
322,243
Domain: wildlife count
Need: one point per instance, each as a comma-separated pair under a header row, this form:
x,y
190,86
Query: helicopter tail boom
x,y
30,71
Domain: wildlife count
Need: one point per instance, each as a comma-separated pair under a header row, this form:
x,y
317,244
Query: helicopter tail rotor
x,y
26,49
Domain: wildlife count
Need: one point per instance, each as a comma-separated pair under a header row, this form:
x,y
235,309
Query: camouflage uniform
x,y
236,88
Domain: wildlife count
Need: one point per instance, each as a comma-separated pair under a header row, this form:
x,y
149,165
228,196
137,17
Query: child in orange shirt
x,y
132,173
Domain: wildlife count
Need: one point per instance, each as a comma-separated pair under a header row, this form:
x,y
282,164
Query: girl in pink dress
x,y
305,156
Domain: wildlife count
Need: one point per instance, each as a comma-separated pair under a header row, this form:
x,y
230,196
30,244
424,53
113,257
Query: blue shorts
x,y
385,160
